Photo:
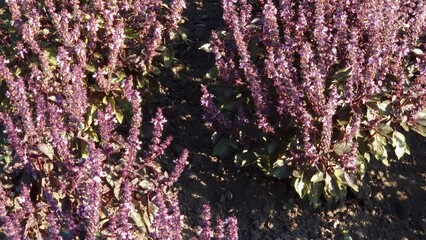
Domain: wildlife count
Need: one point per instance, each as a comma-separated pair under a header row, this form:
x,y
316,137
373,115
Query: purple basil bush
x,y
73,163
311,90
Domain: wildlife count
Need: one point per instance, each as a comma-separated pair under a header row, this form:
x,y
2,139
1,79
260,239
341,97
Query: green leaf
x,y
379,151
342,123
233,143
206,47
119,115
48,167
328,187
346,235
169,55
213,73
245,158
92,134
51,54
315,194
272,146
362,165
299,185
131,34
263,162
342,74
385,129
137,218
421,120
385,161
407,150
84,150
318,177
147,185
215,137
420,129
370,114
398,141
173,35
90,68
98,55
281,172
367,156
339,173
117,188
417,51
297,174
341,148
120,76
405,126
351,181
398,138
155,71
89,118
6,158
222,148
47,150
384,107
381,139
45,31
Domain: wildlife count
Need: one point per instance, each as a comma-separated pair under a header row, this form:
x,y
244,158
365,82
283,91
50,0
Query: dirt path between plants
x,y
393,207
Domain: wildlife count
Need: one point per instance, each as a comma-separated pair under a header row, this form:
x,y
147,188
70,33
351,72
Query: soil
x,y
392,207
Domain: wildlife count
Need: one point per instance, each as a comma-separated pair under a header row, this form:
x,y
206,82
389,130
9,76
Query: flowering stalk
x,y
207,231
11,225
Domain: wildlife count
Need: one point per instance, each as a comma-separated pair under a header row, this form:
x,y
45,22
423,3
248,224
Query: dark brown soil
x,y
392,207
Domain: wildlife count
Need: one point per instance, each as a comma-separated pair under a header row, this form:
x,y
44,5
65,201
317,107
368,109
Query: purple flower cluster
x,y
206,229
10,224
180,164
92,193
156,148
17,93
225,229
177,7
52,216
212,115
168,221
